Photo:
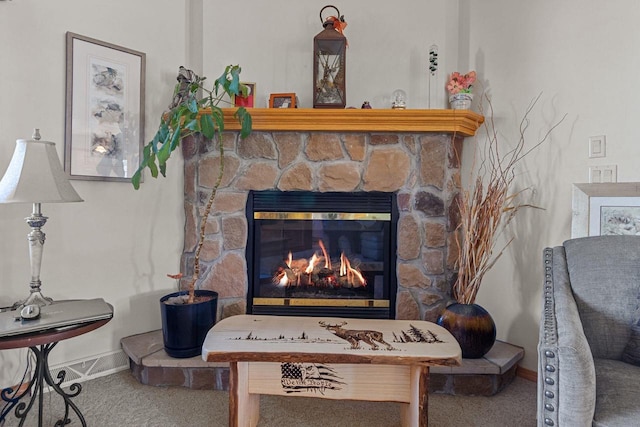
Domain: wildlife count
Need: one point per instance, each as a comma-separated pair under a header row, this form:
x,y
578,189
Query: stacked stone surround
x,y
423,168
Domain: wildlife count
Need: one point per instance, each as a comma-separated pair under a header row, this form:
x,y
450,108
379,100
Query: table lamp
x,y
35,176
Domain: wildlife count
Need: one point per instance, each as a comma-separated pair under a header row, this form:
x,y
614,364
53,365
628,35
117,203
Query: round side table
x,y
41,344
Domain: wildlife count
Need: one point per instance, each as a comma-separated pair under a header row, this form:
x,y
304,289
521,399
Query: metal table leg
x,y
42,376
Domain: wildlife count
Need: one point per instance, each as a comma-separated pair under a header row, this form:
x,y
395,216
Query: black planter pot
x,y
472,326
185,326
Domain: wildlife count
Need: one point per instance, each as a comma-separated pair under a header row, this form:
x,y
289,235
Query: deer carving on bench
x,y
354,336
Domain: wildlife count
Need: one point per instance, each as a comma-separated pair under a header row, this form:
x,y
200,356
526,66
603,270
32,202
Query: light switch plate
x,y
597,146
606,173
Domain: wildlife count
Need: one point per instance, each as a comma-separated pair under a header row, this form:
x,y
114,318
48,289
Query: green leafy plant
x,y
191,113
195,109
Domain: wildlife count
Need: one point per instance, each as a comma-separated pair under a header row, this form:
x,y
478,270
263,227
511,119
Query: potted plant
x,y
485,209
188,315
459,87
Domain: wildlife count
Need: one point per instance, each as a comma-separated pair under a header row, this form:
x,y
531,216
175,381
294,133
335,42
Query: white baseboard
x,y
92,367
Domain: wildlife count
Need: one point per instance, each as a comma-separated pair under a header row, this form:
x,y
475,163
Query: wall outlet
x,y
597,146
606,173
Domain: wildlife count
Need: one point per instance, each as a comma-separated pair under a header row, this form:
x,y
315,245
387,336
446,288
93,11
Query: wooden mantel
x,y
465,122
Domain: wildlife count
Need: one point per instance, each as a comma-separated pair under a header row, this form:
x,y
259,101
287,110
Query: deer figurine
x,y
355,336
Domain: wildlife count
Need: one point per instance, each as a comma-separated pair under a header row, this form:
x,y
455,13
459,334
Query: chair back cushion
x,y
605,279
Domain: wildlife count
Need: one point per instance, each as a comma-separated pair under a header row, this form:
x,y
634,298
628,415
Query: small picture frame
x,y
104,126
248,101
282,100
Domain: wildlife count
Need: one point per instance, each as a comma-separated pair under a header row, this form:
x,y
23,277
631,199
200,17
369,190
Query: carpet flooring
x,y
119,400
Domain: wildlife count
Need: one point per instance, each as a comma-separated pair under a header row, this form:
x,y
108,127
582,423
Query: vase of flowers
x,y
459,87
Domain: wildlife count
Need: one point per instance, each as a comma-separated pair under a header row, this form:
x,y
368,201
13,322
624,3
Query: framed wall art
x,y
282,100
605,208
104,126
248,101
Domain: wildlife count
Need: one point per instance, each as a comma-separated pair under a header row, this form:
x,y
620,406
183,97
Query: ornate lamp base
x,y
36,298
36,243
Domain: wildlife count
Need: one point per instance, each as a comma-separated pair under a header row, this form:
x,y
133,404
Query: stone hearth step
x,y
151,365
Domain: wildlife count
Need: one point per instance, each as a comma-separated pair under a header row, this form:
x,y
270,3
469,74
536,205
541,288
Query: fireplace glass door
x,y
330,254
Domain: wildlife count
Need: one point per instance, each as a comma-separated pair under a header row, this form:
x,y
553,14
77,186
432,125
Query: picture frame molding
x,y
133,146
587,197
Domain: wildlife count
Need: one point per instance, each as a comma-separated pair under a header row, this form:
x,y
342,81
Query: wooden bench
x,y
330,358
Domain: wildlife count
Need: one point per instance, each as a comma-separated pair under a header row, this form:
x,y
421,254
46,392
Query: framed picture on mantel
x,y
282,100
605,208
249,100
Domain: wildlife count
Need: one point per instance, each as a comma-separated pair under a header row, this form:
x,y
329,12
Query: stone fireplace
x,y
411,153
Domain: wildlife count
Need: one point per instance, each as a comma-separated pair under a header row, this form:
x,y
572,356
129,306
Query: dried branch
x,y
489,206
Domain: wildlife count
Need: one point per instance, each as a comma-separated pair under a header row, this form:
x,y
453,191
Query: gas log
x,y
319,271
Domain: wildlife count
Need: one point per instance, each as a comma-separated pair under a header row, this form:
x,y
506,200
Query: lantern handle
x,y
340,17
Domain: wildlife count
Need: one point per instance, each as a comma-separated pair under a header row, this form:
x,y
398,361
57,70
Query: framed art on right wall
x,y
605,208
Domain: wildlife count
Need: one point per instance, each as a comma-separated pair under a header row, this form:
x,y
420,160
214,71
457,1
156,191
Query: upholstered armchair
x,y
589,333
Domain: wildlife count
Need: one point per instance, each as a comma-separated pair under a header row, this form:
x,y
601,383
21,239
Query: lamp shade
x,y
35,175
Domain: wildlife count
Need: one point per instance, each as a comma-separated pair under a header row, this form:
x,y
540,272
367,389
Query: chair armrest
x,y
566,373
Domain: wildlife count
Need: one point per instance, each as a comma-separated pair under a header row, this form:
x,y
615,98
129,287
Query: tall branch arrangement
x,y
489,205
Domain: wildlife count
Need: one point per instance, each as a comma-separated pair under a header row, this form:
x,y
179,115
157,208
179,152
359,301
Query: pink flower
x,y
461,83
471,77
454,87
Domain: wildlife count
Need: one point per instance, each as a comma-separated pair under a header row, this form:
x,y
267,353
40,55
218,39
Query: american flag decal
x,y
300,377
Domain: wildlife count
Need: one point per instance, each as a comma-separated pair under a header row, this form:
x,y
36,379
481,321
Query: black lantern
x,y
329,60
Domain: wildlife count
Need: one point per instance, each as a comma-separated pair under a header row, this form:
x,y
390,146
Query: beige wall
x,y
388,46
579,54
119,244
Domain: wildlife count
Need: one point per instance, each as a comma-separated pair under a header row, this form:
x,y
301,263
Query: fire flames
x,y
318,271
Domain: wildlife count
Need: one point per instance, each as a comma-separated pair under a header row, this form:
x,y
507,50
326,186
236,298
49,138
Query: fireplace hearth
x,y
322,254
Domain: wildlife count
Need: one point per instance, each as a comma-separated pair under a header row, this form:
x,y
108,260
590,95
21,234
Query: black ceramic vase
x,y
472,326
185,326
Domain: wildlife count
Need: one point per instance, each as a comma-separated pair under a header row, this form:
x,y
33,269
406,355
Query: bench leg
x,y
244,407
414,414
